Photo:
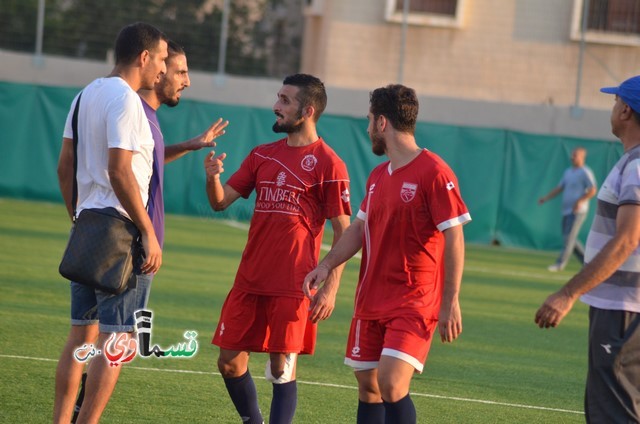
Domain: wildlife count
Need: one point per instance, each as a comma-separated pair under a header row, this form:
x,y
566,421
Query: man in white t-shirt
x,y
114,167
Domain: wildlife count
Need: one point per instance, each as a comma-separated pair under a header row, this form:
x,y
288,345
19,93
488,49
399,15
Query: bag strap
x,y
74,126
155,177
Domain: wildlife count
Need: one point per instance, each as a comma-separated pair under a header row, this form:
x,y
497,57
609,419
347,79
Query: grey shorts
x,y
613,381
114,313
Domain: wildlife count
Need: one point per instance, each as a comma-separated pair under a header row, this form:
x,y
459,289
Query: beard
x,y
171,102
378,147
164,93
289,127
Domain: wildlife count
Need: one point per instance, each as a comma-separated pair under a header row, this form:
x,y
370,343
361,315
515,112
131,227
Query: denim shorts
x,y
114,313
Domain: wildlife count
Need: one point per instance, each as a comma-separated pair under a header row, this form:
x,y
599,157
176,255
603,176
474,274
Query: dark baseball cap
x,y
628,91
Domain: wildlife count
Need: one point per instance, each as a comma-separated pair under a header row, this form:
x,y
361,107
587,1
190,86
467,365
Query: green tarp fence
x,y
501,173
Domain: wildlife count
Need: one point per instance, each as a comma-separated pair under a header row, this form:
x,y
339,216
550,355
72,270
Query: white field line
x,y
338,386
541,276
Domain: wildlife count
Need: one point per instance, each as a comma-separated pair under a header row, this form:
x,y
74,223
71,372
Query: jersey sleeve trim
x,y
459,220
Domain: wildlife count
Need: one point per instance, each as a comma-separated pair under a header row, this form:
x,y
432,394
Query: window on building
x,y
441,7
447,13
608,21
314,7
614,16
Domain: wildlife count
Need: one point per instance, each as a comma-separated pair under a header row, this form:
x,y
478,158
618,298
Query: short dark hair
x,y
397,103
312,92
135,38
174,49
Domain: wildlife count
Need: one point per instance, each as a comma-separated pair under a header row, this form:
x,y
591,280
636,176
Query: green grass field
x,y
503,369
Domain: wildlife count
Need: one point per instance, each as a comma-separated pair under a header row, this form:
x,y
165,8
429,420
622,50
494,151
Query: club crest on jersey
x,y
280,181
408,192
309,162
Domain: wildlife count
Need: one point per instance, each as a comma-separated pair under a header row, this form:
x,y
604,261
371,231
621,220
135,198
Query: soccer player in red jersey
x,y
300,182
410,228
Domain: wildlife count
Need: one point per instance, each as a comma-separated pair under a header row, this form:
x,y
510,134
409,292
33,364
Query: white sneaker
x,y
554,268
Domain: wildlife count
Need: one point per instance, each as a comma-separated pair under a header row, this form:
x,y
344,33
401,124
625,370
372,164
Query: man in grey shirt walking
x,y
577,186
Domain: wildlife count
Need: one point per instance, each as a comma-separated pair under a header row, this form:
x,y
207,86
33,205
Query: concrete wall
x,y
513,52
533,118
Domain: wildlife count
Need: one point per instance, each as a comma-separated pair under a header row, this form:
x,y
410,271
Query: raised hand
x,y
206,138
213,165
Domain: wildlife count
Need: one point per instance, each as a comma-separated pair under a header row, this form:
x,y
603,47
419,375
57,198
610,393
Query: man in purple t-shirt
x,y
168,91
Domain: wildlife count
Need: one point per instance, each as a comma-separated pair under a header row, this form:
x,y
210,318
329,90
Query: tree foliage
x,y
264,35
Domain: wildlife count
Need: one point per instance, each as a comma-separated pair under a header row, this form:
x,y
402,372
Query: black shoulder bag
x,y
103,244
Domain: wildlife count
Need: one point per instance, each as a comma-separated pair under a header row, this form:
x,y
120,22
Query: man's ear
x,y
144,57
308,111
382,123
626,112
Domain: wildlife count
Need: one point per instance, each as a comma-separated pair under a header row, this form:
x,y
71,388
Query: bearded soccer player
x,y
410,228
300,182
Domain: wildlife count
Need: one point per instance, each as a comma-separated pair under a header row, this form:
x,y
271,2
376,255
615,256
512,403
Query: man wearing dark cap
x,y
610,280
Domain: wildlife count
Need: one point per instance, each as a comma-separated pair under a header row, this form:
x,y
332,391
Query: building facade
x,y
506,51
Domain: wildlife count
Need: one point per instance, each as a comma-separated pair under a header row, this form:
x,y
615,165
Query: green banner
x,y
501,173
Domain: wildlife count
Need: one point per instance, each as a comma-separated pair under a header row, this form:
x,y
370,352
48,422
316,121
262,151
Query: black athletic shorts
x,y
613,381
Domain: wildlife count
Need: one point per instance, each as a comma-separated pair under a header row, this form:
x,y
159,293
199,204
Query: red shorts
x,y
258,323
407,338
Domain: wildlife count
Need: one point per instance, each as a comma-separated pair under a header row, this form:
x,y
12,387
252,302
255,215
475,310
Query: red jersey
x,y
405,212
297,190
